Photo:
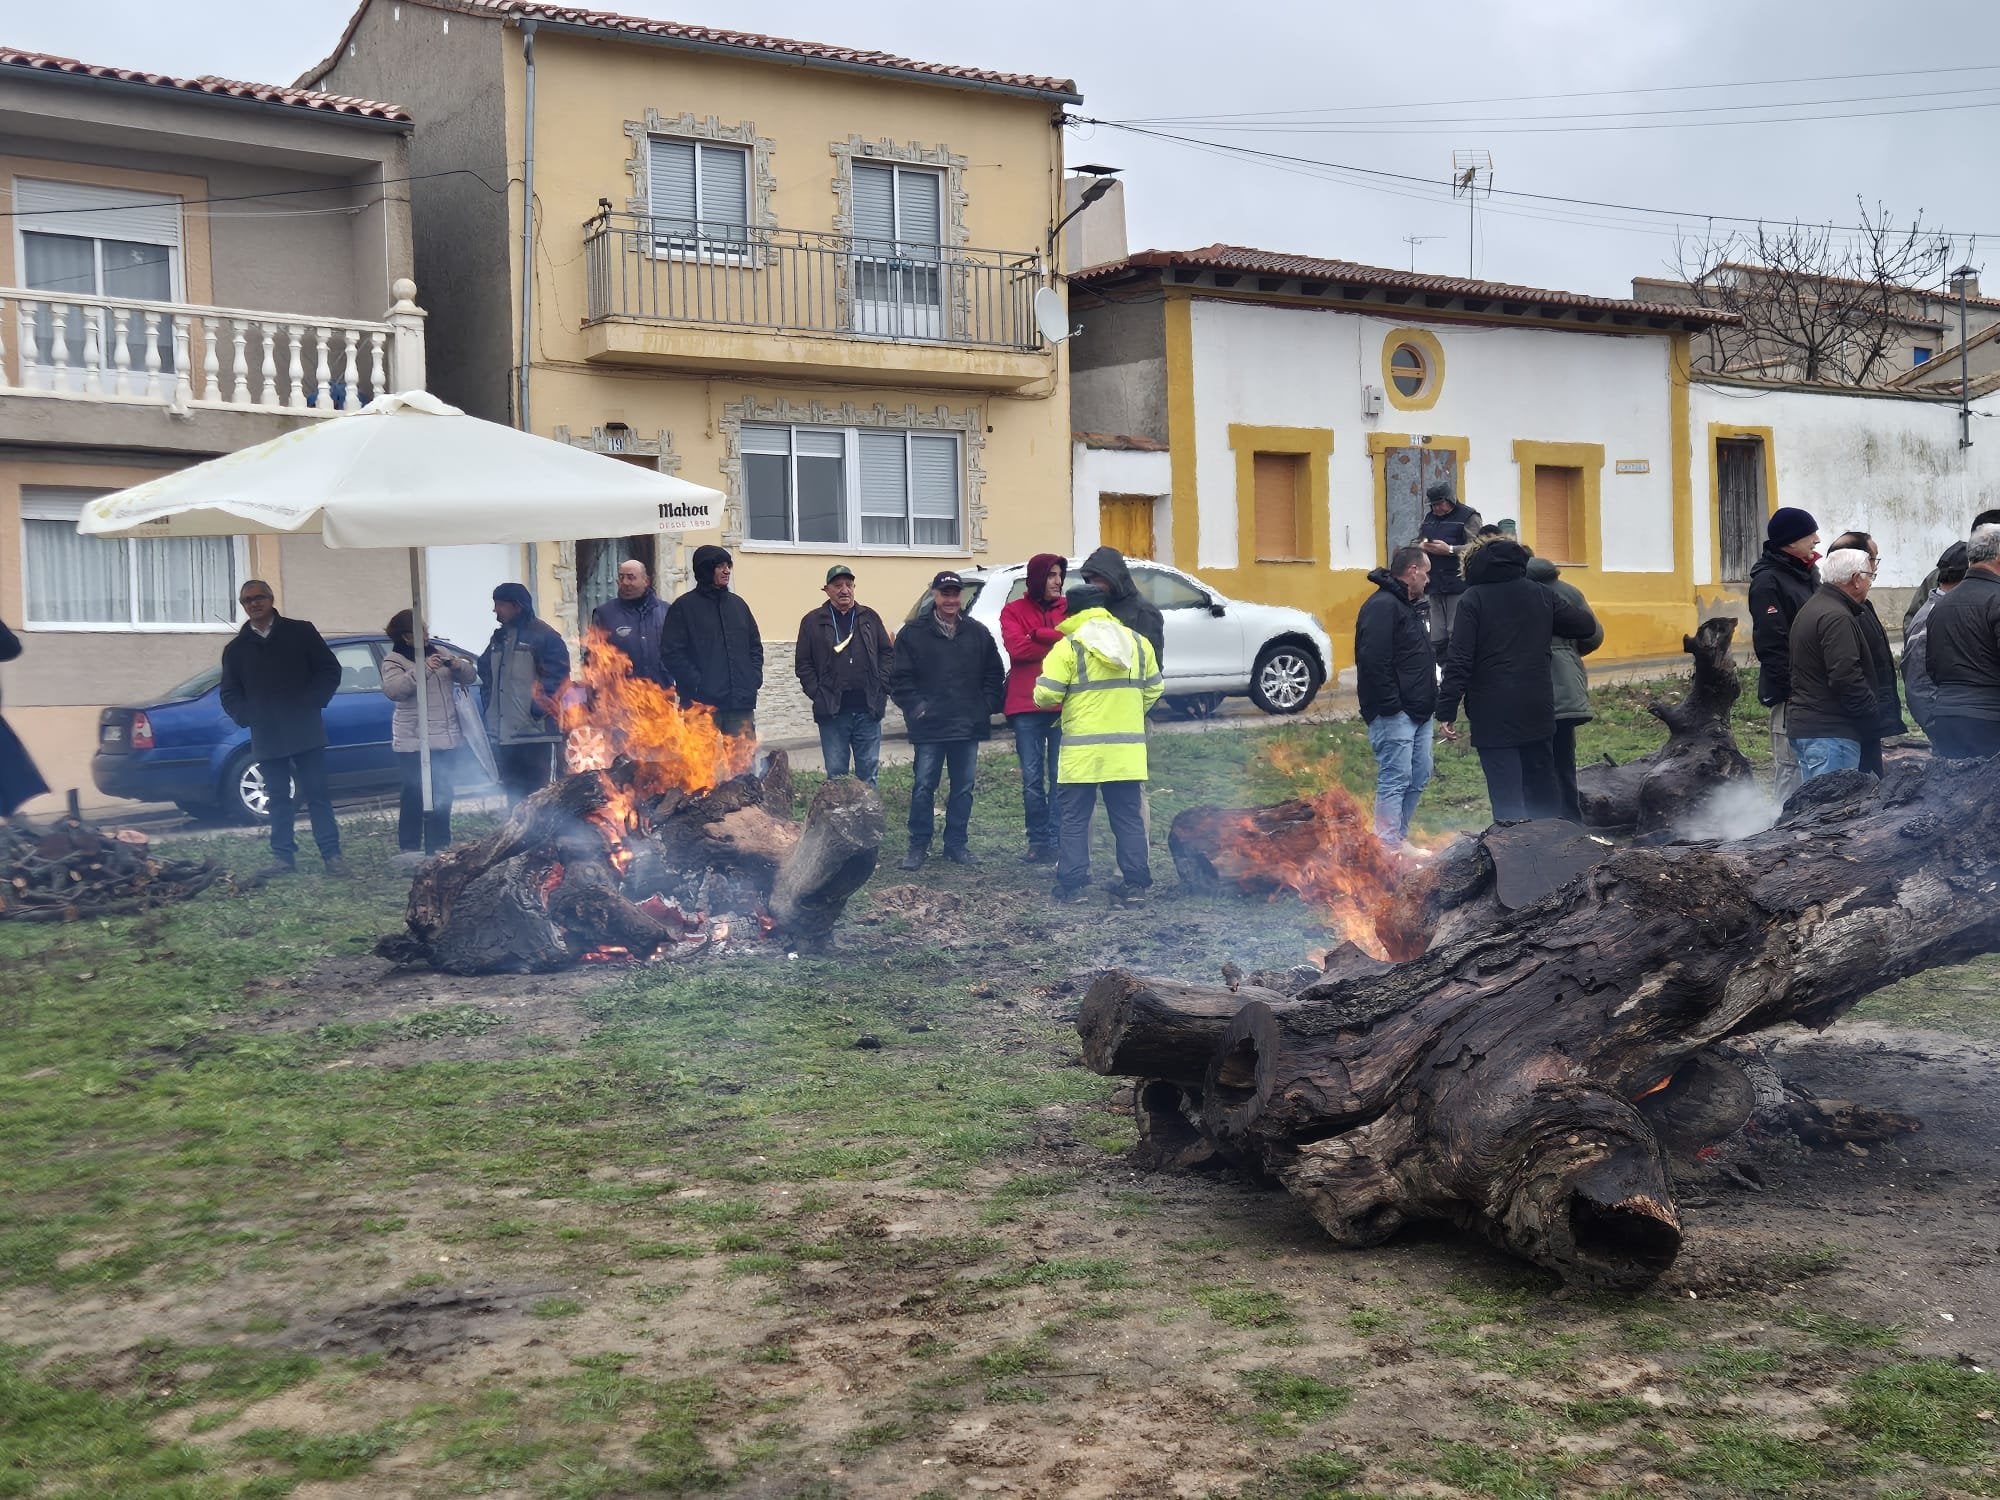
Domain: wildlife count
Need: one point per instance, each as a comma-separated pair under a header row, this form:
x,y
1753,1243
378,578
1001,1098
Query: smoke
x,y
1735,810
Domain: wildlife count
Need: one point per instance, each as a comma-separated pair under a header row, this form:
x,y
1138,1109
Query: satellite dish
x,y
1051,316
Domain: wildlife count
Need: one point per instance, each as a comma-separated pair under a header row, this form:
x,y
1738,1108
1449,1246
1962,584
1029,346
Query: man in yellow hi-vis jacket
x,y
1103,676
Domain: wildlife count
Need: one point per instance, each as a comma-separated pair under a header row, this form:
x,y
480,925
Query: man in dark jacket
x,y
1571,683
277,677
1780,583
19,780
522,672
1963,652
1499,668
1919,687
711,645
1449,527
843,657
1839,672
632,622
1395,677
1105,569
948,682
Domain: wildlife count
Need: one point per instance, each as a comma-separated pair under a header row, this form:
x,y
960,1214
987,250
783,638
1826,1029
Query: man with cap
x,y
1919,687
1962,650
843,658
1448,528
521,671
1781,581
711,646
947,680
632,622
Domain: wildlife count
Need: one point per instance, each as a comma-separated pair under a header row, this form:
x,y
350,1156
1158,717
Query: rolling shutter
x,y
99,213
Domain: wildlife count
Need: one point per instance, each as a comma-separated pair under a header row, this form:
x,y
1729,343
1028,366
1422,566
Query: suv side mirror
x,y
1216,609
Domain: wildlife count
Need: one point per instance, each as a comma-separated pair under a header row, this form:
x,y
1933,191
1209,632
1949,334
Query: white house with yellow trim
x,y
803,274
1305,404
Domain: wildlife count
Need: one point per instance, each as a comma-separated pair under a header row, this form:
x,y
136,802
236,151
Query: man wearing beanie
x,y
1780,583
711,645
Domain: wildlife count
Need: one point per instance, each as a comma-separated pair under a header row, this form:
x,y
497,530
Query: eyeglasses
x,y
254,599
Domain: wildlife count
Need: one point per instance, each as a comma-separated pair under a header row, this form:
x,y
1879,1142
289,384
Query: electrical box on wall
x,y
1371,401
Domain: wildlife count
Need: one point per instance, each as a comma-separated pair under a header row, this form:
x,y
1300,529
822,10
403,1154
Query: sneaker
x,y
336,867
914,860
1068,895
961,856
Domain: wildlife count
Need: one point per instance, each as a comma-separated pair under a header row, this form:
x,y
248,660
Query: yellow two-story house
x,y
803,274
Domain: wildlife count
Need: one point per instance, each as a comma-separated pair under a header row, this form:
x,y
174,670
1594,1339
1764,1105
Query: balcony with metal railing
x,y
687,294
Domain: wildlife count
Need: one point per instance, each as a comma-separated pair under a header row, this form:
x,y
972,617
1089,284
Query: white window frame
x,y
58,503
665,247
851,487
901,317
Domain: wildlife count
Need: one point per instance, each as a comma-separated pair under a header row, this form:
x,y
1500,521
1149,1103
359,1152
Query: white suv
x,y
1217,647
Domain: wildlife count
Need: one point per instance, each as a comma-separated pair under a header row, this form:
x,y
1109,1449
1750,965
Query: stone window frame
x,y
659,448
684,126
969,424
910,154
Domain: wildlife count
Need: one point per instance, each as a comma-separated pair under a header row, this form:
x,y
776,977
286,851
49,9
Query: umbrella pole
x,y
420,640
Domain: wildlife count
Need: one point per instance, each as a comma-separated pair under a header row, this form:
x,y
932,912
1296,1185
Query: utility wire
x,y
1487,128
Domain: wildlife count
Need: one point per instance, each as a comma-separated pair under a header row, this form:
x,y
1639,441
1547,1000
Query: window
x,y
1279,496
87,241
1558,513
1920,356
1408,369
1168,590
698,194
880,487
360,668
182,582
898,215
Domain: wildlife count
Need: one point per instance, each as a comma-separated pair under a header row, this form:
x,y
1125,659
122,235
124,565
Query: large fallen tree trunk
x,y
1700,757
1497,1082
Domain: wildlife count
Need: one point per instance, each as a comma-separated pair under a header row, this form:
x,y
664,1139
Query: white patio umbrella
x,y
407,471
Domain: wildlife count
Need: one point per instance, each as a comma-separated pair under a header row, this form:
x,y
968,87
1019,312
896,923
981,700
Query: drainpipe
x,y
527,234
1963,273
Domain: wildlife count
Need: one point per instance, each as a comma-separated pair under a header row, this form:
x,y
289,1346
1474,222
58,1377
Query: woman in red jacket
x,y
1027,630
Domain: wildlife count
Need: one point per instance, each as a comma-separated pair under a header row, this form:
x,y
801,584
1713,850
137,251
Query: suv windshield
x,y
923,604
194,687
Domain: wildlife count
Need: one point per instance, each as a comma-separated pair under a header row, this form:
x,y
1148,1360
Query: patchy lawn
x,y
285,1222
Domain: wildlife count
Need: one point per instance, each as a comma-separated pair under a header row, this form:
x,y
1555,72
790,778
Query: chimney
x,y
1969,285
1096,236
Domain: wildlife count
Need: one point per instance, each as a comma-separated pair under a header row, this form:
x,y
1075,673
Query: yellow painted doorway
x,y
1126,522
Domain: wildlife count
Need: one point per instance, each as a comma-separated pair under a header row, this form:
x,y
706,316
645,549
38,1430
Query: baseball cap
x,y
839,570
946,580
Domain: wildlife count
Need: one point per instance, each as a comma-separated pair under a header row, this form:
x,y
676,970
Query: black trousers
x,y
524,769
1521,781
1563,750
288,781
1954,738
1122,801
414,830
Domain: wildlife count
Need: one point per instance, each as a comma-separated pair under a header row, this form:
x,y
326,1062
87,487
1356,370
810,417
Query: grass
x,y
1245,1306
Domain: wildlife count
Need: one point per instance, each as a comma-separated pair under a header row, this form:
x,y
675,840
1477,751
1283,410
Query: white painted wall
x,y
1105,471
1296,367
1889,467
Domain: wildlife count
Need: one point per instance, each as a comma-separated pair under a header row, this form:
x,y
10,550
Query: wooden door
x,y
1126,522
1739,504
1558,514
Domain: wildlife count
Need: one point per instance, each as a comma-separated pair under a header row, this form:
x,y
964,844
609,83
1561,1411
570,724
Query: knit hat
x,y
515,594
1082,596
1787,524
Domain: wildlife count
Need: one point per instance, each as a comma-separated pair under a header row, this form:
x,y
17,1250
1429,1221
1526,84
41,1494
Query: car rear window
x,y
973,586
194,687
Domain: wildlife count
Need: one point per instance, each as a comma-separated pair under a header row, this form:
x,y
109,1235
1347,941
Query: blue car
x,y
184,749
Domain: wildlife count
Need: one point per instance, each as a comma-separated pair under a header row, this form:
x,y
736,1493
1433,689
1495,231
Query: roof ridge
x,y
212,85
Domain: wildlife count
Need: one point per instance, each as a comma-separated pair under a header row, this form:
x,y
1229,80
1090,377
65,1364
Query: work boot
x,y
1068,895
1034,854
914,860
961,856
336,867
1124,893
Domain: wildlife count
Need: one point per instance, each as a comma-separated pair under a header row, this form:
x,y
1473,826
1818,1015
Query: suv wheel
x,y
1285,679
244,795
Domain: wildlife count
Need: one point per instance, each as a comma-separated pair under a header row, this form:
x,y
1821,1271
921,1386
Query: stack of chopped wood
x,y
74,870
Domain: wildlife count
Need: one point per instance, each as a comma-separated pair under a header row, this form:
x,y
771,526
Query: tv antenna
x,y
1414,240
1471,179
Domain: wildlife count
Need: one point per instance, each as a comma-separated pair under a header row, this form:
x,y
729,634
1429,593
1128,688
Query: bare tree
x,y
1817,303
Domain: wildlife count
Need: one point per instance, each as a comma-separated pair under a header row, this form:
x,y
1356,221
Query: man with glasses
x,y
277,677
1843,677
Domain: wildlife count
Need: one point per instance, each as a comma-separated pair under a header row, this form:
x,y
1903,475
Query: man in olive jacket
x,y
843,659
1840,674
1570,682
948,682
277,677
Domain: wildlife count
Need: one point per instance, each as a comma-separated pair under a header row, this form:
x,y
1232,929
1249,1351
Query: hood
x,y
1108,563
707,558
1542,570
1389,583
1040,566
1501,560
1103,636
516,594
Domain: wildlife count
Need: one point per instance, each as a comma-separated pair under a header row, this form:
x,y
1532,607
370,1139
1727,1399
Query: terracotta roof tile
x,y
1243,260
215,88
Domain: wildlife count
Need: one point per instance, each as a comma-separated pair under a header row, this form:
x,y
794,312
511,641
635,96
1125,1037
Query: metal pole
x,y
1964,381
419,639
527,231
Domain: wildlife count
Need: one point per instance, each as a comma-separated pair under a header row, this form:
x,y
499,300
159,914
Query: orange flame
x,y
1655,1088
1329,857
607,712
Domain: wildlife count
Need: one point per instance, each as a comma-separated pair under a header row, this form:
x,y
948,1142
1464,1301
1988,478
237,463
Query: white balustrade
x,y
183,385
268,369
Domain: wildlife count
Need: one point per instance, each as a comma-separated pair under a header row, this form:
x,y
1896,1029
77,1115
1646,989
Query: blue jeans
x,y
307,770
961,759
1402,749
1822,757
854,737
1038,740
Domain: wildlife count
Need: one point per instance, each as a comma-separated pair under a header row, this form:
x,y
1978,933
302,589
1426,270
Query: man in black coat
x,y
1923,593
1105,569
1449,527
1499,668
277,677
1962,650
711,646
633,621
1780,583
1395,677
844,656
19,780
948,682
1843,690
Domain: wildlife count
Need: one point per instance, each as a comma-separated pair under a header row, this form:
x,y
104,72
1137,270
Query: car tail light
x,y
142,732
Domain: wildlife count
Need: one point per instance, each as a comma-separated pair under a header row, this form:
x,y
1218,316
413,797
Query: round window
x,y
1409,369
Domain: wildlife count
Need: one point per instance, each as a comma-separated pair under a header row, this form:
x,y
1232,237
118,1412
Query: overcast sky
x,y
1172,58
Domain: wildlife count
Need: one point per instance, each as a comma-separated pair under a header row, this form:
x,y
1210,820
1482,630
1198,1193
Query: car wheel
x,y
1285,679
244,795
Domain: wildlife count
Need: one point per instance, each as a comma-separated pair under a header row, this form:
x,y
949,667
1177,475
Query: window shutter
x,y
1555,494
758,438
884,489
934,490
1277,479
725,188
821,443
670,189
874,202
920,200
98,213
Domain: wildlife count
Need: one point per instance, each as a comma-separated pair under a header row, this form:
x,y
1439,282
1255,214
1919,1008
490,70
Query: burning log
x,y
73,870
1699,758
1500,1081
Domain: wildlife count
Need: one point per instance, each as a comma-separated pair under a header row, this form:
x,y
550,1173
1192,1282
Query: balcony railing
x,y
187,356
728,276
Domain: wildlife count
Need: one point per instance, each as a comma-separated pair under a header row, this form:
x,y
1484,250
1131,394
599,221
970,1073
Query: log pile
x,y
1516,1079
74,870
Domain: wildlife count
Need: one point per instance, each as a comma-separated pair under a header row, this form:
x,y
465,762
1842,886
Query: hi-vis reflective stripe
x,y
1100,683
1053,684
1105,739
1154,681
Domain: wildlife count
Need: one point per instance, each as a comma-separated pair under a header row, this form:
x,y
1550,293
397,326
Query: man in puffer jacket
x,y
1571,683
1028,628
1395,679
711,647
521,672
1104,677
1106,568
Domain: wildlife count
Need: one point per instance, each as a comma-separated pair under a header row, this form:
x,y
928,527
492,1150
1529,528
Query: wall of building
x,y
1118,367
1108,471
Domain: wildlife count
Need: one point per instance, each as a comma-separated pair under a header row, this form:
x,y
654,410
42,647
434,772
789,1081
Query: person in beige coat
x,y
416,832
